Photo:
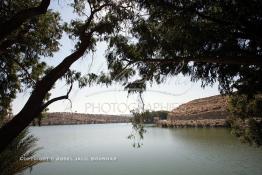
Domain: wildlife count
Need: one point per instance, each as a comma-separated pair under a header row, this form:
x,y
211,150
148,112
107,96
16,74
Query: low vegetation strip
x,y
193,123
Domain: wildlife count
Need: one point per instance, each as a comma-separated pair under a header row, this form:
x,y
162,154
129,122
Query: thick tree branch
x,y
245,60
64,97
18,19
92,14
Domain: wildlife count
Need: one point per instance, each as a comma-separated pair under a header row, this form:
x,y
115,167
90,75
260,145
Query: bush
x,y
246,118
23,146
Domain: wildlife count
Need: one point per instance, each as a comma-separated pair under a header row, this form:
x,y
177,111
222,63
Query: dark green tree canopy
x,y
21,51
211,41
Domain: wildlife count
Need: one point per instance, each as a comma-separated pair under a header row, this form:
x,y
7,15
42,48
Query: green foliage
x,y
20,53
195,37
248,131
24,147
246,120
244,107
138,129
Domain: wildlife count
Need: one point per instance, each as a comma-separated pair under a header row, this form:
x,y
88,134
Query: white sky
x,y
113,99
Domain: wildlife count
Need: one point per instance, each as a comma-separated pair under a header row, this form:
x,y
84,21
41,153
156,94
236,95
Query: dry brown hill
x,y
214,107
203,112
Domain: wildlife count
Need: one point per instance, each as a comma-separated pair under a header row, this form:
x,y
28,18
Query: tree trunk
x,y
34,105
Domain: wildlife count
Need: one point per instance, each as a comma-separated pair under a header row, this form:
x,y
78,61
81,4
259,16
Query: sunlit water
x,y
164,151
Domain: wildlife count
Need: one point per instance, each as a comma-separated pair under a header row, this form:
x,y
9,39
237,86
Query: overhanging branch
x,y
237,60
64,97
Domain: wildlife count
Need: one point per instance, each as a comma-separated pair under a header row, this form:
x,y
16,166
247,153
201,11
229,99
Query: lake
x,y
103,149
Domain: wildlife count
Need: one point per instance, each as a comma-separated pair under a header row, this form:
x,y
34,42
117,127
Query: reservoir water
x,y
104,149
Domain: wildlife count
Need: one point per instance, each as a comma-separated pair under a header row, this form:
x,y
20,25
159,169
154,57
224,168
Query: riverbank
x,y
204,123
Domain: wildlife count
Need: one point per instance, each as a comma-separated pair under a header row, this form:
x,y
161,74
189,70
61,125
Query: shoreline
x,y
199,123
64,118
64,124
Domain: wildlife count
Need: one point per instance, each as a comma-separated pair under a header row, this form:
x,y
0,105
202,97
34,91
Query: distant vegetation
x,y
152,116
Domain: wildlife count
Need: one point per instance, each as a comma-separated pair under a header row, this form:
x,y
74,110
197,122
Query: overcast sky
x,y
113,99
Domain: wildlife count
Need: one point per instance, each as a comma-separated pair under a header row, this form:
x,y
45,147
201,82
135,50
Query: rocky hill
x,y
65,118
214,107
210,111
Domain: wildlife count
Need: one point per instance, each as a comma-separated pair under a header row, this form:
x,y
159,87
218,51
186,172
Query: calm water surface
x,y
164,151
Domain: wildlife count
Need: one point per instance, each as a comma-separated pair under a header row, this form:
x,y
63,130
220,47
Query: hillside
x,y
214,107
65,118
209,111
